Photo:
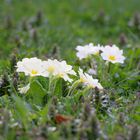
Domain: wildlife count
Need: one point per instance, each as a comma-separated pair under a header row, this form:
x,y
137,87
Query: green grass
x,y
64,25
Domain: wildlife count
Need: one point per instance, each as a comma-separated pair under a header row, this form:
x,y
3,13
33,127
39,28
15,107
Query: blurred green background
x,y
35,27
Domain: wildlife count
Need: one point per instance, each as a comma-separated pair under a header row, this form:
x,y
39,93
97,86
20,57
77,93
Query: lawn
x,y
53,107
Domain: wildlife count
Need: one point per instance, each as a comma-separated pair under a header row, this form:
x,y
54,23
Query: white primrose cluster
x,y
108,53
59,69
87,50
36,67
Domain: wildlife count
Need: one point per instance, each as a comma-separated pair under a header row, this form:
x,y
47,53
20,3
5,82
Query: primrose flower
x,y
87,50
25,89
51,66
59,68
88,80
31,66
96,49
113,54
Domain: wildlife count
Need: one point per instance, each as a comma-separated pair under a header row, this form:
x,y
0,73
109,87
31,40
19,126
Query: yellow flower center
x,y
97,53
34,72
61,75
91,86
112,57
51,69
82,80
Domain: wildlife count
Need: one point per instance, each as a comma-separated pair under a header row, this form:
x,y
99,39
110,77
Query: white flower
x,y
87,50
51,66
92,71
59,69
24,90
96,49
113,54
31,66
64,70
88,80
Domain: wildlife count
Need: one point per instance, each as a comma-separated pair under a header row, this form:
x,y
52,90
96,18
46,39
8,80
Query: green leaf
x,y
43,114
36,93
21,110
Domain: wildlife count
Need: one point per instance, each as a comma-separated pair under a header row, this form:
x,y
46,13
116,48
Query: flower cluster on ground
x,y
60,69
108,53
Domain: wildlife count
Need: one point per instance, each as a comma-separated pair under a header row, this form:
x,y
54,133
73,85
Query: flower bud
x,y
122,39
8,22
39,18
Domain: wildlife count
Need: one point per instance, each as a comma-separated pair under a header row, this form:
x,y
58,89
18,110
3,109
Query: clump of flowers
x,y
87,50
53,68
112,54
109,53
60,69
37,67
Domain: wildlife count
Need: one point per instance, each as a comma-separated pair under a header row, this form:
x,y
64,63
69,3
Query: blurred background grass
x,y
64,24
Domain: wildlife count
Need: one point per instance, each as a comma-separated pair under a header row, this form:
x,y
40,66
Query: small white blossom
x,y
59,69
87,50
88,80
51,66
113,54
31,66
92,71
51,129
25,89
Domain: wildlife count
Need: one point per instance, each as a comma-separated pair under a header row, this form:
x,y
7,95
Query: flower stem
x,y
108,68
73,87
85,90
52,85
